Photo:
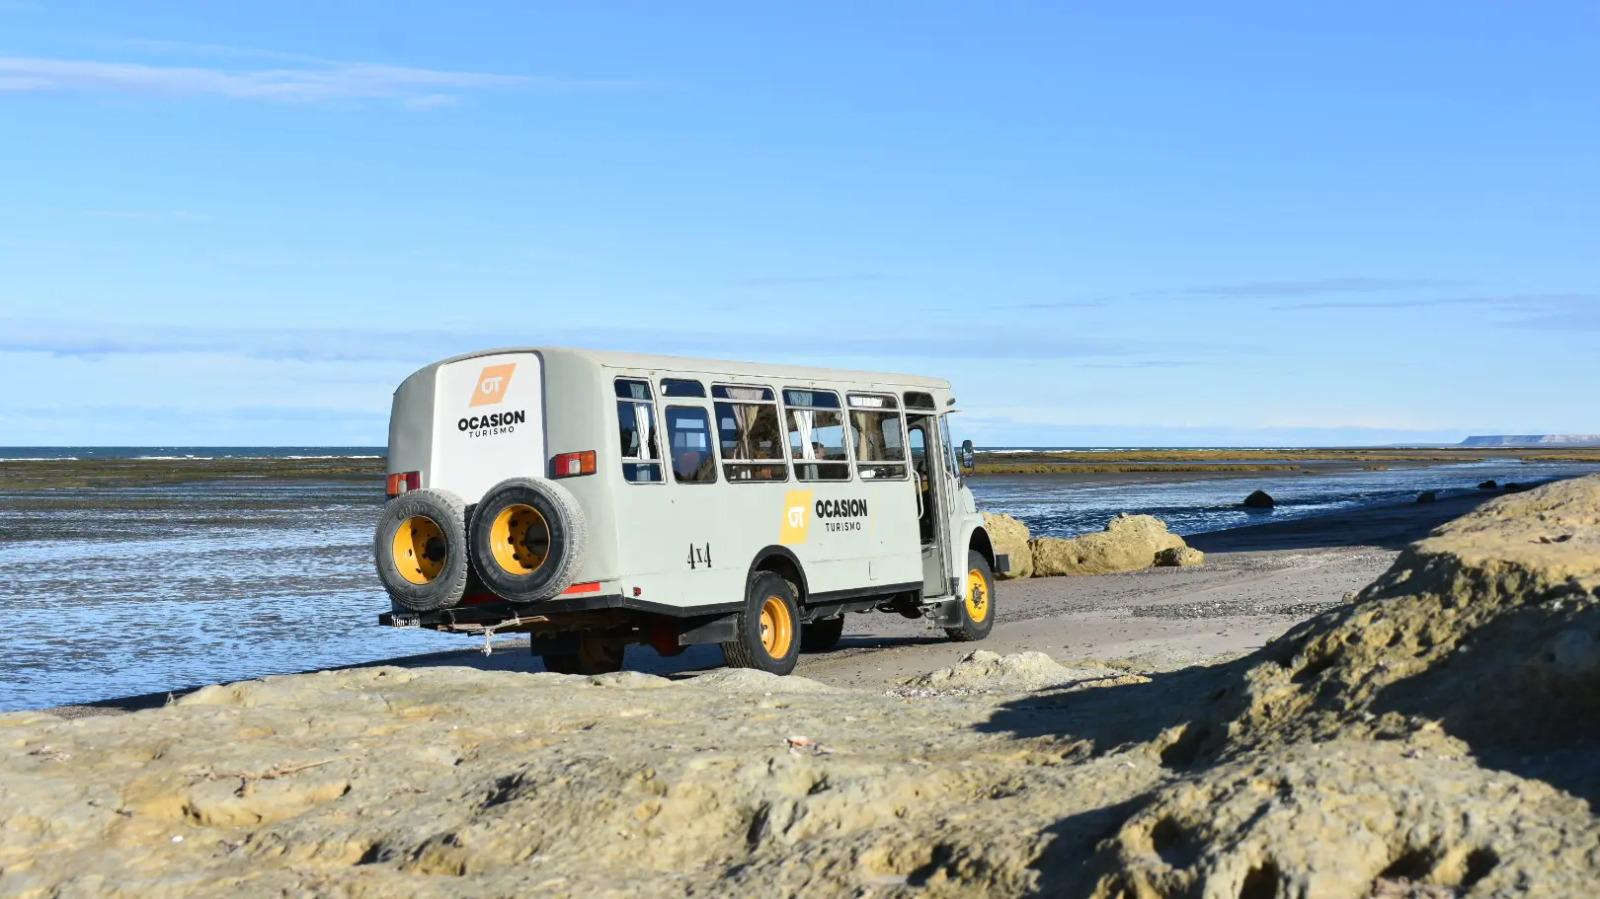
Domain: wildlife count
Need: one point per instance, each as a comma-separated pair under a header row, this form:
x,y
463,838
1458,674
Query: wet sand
x,y
1257,582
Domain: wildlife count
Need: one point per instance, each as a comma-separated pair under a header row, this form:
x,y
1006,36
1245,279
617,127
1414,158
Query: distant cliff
x,y
1533,440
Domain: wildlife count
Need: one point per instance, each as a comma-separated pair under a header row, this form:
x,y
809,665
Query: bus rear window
x,y
641,450
689,434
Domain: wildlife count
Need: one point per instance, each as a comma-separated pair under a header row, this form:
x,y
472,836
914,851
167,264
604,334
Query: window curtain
x,y
641,425
745,414
803,420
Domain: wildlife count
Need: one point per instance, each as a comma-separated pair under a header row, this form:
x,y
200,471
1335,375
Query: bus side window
x,y
880,445
816,435
682,387
641,448
752,438
951,460
689,435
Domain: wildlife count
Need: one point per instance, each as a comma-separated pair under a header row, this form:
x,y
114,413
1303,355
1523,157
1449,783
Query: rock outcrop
x,y
1128,543
1180,557
1259,499
982,671
1438,729
1010,536
1435,737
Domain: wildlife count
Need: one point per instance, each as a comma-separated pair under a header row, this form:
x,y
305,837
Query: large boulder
x,y
1129,543
1260,499
1010,537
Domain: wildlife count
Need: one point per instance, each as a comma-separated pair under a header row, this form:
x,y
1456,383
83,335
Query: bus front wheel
x,y
977,603
766,633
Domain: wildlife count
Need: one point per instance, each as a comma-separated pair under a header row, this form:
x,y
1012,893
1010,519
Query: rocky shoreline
x,y
1433,738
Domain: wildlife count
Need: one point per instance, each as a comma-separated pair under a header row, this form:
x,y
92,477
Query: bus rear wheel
x,y
767,630
977,603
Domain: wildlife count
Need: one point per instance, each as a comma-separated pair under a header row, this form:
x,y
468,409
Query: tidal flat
x,y
131,576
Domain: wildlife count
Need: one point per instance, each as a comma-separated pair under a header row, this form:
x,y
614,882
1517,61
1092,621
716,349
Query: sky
x,y
1107,224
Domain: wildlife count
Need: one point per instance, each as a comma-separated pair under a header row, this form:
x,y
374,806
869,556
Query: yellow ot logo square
x,y
492,384
796,517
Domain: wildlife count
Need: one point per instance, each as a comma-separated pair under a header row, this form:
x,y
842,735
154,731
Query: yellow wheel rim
x,y
977,595
520,539
777,628
420,550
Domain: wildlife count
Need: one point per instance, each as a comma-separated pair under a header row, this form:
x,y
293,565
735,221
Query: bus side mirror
x,y
968,457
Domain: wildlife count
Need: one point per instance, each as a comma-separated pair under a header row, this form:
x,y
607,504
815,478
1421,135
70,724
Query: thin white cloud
x,y
1284,289
1531,302
70,338
806,280
148,215
307,81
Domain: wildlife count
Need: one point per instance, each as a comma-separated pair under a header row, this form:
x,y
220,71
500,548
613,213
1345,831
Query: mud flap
x,y
944,614
1002,563
716,630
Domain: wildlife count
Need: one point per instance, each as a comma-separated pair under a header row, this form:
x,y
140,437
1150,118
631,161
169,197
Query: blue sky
x,y
1107,223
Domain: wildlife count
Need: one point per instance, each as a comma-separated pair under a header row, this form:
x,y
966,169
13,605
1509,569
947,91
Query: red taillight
x,y
585,587
570,465
400,482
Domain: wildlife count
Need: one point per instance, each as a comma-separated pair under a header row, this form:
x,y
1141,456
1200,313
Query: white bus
x,y
596,500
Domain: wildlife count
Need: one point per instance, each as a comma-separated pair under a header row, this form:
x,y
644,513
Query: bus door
x,y
934,497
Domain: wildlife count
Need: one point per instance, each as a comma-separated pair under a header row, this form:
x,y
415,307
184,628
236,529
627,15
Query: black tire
x,y
528,539
594,656
767,629
977,606
421,549
821,634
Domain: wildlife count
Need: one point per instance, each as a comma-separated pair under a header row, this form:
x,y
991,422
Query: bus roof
x,y
612,359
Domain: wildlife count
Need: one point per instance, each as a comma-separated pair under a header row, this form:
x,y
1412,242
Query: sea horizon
x,y
71,452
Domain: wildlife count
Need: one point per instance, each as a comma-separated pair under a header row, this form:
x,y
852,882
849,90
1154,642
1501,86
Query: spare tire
x,y
421,549
528,539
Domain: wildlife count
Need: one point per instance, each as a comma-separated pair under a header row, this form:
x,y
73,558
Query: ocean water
x,y
117,591
1051,507
73,453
